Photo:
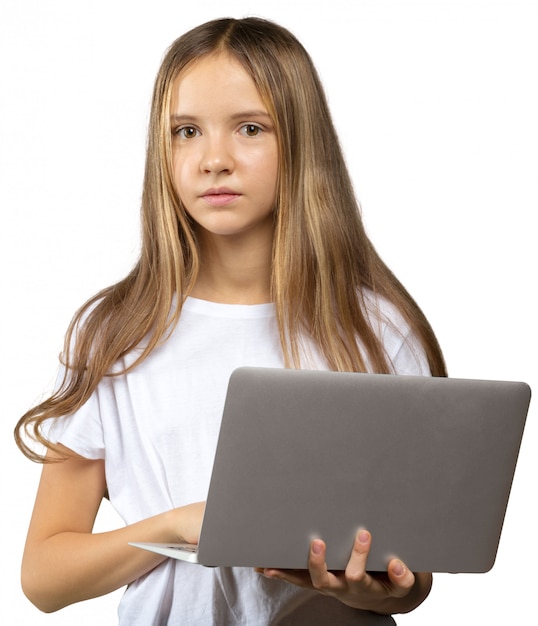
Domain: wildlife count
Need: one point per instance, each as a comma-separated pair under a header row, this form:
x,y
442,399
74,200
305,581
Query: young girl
x,y
253,253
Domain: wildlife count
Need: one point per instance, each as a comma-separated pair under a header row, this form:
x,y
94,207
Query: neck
x,y
233,271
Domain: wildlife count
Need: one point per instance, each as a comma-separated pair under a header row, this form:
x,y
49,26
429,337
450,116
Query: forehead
x,y
215,81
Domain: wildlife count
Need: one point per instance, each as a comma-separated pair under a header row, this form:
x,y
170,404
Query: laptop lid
x,y
425,464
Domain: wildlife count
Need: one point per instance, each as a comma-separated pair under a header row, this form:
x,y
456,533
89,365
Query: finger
x,y
401,578
317,566
301,578
356,567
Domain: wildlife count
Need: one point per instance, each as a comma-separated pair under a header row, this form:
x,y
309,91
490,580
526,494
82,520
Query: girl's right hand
x,y
65,562
189,522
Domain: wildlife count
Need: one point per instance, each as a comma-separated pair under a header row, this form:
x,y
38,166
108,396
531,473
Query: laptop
x,y
425,464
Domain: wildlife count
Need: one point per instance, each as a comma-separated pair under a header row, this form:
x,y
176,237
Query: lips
x,y
220,197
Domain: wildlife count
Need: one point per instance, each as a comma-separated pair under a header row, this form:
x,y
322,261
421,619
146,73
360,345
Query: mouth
x,y
220,197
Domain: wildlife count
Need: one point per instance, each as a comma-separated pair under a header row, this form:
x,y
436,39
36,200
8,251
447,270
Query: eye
x,y
251,130
187,132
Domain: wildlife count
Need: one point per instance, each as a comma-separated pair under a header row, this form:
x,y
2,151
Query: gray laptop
x,y
425,464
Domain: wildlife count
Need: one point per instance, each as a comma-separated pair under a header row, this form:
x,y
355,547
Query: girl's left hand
x,y
396,591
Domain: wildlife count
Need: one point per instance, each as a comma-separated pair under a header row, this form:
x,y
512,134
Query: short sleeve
x,y
404,352
409,358
80,431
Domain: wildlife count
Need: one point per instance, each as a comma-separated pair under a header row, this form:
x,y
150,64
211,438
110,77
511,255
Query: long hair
x,y
323,261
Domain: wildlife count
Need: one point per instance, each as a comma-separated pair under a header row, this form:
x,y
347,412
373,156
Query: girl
x,y
253,253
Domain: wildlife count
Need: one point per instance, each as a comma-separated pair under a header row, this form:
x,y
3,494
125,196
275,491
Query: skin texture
x,y
225,164
223,138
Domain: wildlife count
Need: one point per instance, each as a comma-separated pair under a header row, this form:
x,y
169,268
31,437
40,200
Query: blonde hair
x,y
323,261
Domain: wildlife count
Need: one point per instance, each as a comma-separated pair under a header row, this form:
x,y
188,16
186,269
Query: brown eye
x,y
187,132
251,130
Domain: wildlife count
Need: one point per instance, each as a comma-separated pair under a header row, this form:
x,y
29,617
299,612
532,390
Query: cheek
x,y
267,172
181,177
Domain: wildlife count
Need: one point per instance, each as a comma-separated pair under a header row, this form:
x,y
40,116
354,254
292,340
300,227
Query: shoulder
x,y
403,349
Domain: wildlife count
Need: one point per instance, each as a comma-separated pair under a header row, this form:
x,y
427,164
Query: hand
x,y
188,522
397,590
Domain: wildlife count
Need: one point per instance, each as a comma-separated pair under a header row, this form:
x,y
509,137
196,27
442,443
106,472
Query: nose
x,y
217,157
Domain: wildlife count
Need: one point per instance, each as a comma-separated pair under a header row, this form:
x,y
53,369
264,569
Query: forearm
x,y
70,566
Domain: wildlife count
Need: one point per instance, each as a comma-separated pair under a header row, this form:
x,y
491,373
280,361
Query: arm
x,y
64,562
397,591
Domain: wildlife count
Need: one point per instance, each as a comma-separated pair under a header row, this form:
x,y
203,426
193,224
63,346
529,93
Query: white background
x,y
436,107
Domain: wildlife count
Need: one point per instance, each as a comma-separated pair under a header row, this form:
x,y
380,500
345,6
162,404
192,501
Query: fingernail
x,y
399,568
364,536
317,547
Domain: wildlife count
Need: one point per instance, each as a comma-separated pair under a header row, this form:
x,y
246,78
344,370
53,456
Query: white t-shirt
x,y
156,427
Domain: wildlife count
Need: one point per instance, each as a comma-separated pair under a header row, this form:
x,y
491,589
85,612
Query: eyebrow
x,y
242,115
